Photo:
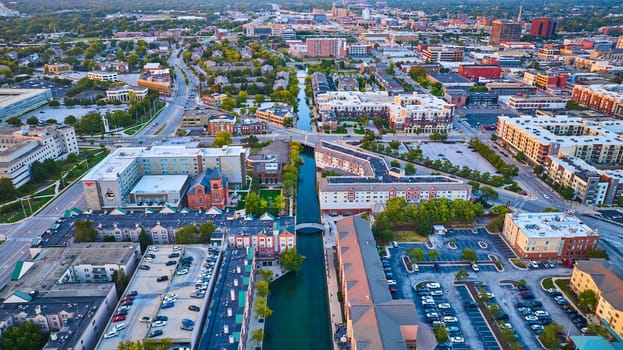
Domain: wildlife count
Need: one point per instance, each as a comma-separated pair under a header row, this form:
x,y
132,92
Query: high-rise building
x,y
543,27
326,47
504,30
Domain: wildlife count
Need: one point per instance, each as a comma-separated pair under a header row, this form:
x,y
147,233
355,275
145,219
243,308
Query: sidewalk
x,y
332,286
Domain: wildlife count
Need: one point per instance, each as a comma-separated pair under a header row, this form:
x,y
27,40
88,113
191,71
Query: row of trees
x,y
195,234
422,216
257,205
498,163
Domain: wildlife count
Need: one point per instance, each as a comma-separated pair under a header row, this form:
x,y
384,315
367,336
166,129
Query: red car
x,y
127,297
118,318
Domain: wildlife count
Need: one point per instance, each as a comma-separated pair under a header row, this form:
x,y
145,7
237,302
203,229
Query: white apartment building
x,y
409,113
110,183
103,76
126,93
537,102
19,148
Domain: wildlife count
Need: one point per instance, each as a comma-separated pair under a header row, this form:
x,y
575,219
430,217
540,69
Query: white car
x,y
111,334
146,319
437,292
457,339
124,308
159,324
182,272
154,249
433,285
432,315
531,318
443,306
428,302
536,327
391,282
119,326
541,313
475,267
450,319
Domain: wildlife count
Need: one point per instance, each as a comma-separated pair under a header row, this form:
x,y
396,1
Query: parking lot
x,y
153,291
59,113
458,154
478,116
471,325
58,89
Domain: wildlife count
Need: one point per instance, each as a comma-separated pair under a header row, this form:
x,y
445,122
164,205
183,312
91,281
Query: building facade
x,y
504,30
607,99
22,147
560,136
548,235
531,102
543,27
103,76
56,69
278,113
109,184
209,190
475,71
16,102
266,243
126,93
326,47
606,280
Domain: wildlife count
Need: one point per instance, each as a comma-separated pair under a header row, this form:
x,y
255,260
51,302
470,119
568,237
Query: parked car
x,y
155,333
118,318
162,278
161,318
193,308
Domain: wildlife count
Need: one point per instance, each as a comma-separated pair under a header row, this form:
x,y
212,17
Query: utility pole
x,y
23,209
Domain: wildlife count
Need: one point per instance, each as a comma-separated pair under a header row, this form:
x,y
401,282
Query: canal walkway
x,y
335,307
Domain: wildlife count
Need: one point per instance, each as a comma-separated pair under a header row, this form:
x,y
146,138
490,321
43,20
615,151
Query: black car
x,y
174,255
535,303
193,308
144,267
150,255
470,304
121,313
161,318
162,278
133,293
155,333
170,262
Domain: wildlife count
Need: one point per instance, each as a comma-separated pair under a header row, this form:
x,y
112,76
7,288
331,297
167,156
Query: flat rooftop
x,y
10,96
152,184
546,225
151,293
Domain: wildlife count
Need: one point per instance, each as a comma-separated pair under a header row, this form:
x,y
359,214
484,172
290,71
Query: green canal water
x,y
300,318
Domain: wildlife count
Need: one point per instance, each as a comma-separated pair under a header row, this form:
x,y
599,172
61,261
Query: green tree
x,y
520,156
254,204
395,164
257,336
147,344
416,72
260,98
191,234
261,288
32,121
85,232
54,103
488,193
597,253
468,255
290,260
221,139
549,338
597,329
416,254
587,299
266,275
228,103
14,121
109,238
70,120
28,336
121,281
144,240
462,273
410,169
441,334
261,309
433,254
7,190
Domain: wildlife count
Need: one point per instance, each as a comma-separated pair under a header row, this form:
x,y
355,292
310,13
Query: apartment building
x,y
365,292
281,114
606,280
20,147
267,243
111,182
591,186
596,143
326,47
475,71
607,99
405,113
156,79
103,76
266,30
543,27
548,235
370,183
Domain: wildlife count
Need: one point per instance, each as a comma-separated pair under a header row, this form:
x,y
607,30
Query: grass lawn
x,y
518,263
269,195
46,192
409,236
547,283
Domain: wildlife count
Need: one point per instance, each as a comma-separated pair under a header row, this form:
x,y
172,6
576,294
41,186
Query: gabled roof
x,y
21,267
118,211
18,297
267,217
214,211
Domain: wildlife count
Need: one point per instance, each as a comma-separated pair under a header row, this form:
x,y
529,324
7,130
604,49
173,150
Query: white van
x,y
415,268
395,244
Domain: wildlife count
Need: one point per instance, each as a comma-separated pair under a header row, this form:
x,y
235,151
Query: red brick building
x,y
266,243
209,189
475,71
218,123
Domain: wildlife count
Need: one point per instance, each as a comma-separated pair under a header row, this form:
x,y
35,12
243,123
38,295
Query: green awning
x,y
237,336
55,226
245,281
67,214
239,318
242,298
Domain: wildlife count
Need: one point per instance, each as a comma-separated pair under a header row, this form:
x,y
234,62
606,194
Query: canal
x,y
300,318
